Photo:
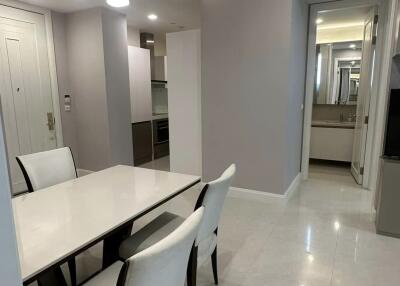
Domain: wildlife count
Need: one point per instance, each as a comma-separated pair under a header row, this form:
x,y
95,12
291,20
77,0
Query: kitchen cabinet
x,y
140,84
160,68
332,143
142,142
387,199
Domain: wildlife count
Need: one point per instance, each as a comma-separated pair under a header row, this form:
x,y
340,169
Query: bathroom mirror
x,y
337,73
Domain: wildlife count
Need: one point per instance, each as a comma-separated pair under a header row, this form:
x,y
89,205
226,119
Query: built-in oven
x,y
161,138
161,131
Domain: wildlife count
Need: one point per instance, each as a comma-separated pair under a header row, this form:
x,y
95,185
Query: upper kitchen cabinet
x,y
160,68
140,84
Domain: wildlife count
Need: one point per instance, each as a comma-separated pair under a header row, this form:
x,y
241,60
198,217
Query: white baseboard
x,y
83,172
241,192
246,193
294,186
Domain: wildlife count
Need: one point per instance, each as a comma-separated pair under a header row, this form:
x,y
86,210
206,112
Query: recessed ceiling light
x,y
152,17
352,46
118,3
319,21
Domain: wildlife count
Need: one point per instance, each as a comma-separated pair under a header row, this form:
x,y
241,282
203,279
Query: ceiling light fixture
x,y
152,17
352,46
118,3
319,21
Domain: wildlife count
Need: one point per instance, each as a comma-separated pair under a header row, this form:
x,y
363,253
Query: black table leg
x,y
53,277
112,243
72,270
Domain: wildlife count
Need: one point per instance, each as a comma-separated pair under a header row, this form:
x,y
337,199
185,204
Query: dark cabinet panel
x,y
142,142
161,150
161,138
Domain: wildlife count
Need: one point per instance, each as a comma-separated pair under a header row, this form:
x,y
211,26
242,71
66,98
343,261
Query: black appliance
x,y
161,138
392,139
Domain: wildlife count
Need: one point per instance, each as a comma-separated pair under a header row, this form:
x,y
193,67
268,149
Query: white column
x,y
9,262
184,101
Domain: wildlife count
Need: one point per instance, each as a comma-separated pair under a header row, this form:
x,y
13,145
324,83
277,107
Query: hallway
x,y
323,236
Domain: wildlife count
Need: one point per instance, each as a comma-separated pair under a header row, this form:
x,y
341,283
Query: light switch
x,y
67,98
67,103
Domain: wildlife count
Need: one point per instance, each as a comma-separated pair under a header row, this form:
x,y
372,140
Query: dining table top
x,y
58,221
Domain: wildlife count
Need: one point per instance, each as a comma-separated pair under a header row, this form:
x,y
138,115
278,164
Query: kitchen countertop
x,y
160,116
333,124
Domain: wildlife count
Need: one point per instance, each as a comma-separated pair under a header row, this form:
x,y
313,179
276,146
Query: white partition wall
x,y
184,101
9,262
140,84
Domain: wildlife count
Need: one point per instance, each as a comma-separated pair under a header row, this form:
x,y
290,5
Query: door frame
x,y
380,84
52,59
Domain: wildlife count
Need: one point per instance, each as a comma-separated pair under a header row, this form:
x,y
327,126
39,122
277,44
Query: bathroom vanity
x,y
332,140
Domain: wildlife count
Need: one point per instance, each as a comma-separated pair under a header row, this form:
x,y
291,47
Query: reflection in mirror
x,y
337,73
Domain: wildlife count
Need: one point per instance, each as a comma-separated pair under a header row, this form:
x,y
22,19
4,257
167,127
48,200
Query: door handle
x,y
50,121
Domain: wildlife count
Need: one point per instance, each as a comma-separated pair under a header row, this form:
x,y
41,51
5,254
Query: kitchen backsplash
x,y
332,112
160,100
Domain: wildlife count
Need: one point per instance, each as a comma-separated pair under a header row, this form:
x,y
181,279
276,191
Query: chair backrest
x,y
45,169
212,198
164,263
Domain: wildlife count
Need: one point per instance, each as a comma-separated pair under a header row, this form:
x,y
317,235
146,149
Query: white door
x,y
25,87
364,96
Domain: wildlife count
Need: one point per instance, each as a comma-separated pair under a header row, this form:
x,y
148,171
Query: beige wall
x,y
93,69
87,78
296,82
253,87
68,119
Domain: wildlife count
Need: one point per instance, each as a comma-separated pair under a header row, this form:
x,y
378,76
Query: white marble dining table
x,y
59,222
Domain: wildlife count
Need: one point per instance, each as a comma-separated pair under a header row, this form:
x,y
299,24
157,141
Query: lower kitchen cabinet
x,y
142,142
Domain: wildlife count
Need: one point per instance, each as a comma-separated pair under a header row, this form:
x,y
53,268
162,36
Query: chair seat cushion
x,y
107,277
152,233
157,230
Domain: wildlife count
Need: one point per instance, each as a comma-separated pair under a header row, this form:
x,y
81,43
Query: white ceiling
x,y
344,17
184,13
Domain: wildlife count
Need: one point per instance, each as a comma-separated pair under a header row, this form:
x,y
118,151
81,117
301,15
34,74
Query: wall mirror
x,y
337,73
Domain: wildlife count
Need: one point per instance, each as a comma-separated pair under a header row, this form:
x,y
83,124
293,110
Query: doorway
x,y
341,81
27,88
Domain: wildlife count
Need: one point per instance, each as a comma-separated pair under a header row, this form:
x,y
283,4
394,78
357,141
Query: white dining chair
x,y
212,198
48,168
164,263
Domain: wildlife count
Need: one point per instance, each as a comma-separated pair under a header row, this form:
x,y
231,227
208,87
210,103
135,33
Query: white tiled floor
x,y
323,236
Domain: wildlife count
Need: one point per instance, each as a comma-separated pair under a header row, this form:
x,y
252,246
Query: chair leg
x,y
192,267
72,271
111,244
215,265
